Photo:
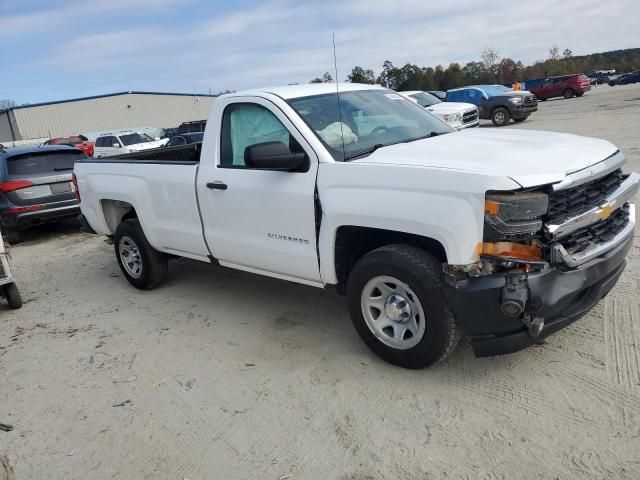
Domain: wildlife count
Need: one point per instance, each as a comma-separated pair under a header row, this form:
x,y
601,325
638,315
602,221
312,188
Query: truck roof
x,y
306,89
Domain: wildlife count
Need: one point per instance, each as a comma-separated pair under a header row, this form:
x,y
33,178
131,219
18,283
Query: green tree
x,y
360,75
326,78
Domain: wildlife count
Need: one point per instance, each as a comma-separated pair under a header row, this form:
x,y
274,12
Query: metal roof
x,y
80,99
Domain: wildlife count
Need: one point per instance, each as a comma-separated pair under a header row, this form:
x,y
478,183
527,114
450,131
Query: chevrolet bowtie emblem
x,y
606,210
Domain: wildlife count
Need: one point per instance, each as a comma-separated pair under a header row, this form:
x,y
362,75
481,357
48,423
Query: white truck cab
x,y
126,141
505,236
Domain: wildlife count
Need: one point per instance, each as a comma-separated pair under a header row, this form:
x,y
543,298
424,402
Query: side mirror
x,y
275,156
116,145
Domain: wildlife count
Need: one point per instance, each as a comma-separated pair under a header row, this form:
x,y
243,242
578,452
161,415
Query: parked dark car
x,y
566,86
36,187
496,103
626,78
184,139
438,94
191,127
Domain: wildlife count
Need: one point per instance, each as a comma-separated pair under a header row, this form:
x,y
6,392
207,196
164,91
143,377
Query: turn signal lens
x,y
510,250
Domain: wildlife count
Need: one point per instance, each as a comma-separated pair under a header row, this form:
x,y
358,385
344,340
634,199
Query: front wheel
x,y
500,117
579,94
568,93
397,306
142,265
12,294
521,119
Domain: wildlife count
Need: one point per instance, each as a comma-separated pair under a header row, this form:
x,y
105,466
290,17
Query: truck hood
x,y
447,108
529,157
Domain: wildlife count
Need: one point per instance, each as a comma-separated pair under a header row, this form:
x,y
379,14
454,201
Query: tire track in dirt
x,y
622,341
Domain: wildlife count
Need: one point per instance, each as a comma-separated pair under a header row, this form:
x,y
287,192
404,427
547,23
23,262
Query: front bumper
x,y
560,294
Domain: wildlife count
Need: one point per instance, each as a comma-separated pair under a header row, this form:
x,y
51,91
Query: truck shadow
x,y
297,321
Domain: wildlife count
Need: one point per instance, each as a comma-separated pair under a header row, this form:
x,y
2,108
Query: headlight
x,y
452,117
512,221
515,100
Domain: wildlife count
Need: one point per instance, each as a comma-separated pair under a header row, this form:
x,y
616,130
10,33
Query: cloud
x,y
160,44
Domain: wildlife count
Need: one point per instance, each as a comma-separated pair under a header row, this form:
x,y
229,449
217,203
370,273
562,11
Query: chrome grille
x,y
572,201
597,233
470,117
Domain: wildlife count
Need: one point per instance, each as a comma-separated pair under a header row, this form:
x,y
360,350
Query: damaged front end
x,y
547,256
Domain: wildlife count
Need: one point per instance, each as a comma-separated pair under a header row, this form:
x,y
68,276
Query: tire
x,y
11,236
579,94
568,93
148,267
521,119
500,117
418,276
12,294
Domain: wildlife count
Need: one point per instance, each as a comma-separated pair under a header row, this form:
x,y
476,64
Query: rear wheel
x,y
11,236
500,117
397,306
12,294
568,93
142,265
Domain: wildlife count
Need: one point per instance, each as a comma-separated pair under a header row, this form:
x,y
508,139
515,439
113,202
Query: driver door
x,y
258,220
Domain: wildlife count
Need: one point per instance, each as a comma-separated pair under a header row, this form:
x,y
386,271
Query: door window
x,y
245,125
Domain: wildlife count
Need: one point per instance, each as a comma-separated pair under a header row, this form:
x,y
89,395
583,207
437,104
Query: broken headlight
x,y
513,216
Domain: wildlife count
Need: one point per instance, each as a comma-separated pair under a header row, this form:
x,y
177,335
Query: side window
x,y
99,142
247,124
176,141
115,142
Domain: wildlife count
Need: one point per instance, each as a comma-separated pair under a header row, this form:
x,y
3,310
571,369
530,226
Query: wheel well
x,y
352,243
116,211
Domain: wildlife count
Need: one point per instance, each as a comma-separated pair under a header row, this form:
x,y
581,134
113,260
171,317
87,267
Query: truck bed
x,y
189,154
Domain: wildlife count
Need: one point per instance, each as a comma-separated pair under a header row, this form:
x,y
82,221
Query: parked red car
x,y
78,141
565,86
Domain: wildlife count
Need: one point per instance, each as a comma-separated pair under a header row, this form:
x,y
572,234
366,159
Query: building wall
x,y
108,113
5,127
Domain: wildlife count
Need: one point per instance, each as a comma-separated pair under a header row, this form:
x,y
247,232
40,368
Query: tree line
x,y
490,68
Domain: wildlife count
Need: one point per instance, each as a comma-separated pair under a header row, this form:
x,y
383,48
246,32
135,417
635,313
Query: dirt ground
x,y
224,375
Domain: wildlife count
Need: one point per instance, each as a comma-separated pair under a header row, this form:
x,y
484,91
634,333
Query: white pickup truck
x,y
504,236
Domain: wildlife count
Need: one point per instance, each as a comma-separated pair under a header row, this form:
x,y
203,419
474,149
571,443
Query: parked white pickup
x,y
505,235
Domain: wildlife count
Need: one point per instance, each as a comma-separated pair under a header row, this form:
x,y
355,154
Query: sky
x,y
52,50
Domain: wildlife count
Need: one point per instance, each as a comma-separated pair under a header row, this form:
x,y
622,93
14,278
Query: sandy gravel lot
x,y
225,375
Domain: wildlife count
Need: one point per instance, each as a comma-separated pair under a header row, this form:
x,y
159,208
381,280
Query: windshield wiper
x,y
364,152
429,135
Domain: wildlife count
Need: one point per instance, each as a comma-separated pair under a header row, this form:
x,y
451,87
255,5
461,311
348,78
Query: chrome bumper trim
x,y
583,257
616,199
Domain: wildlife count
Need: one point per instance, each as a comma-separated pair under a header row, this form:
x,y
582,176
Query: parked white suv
x,y
110,144
457,115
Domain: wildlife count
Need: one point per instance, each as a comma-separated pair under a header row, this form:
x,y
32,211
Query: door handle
x,y
217,185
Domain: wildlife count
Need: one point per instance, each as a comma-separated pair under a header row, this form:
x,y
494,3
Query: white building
x,y
116,111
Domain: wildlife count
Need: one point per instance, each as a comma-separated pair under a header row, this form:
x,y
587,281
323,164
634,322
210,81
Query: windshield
x,y
134,138
425,99
367,119
494,90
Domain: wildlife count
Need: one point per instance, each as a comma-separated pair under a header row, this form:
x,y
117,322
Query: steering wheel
x,y
378,129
